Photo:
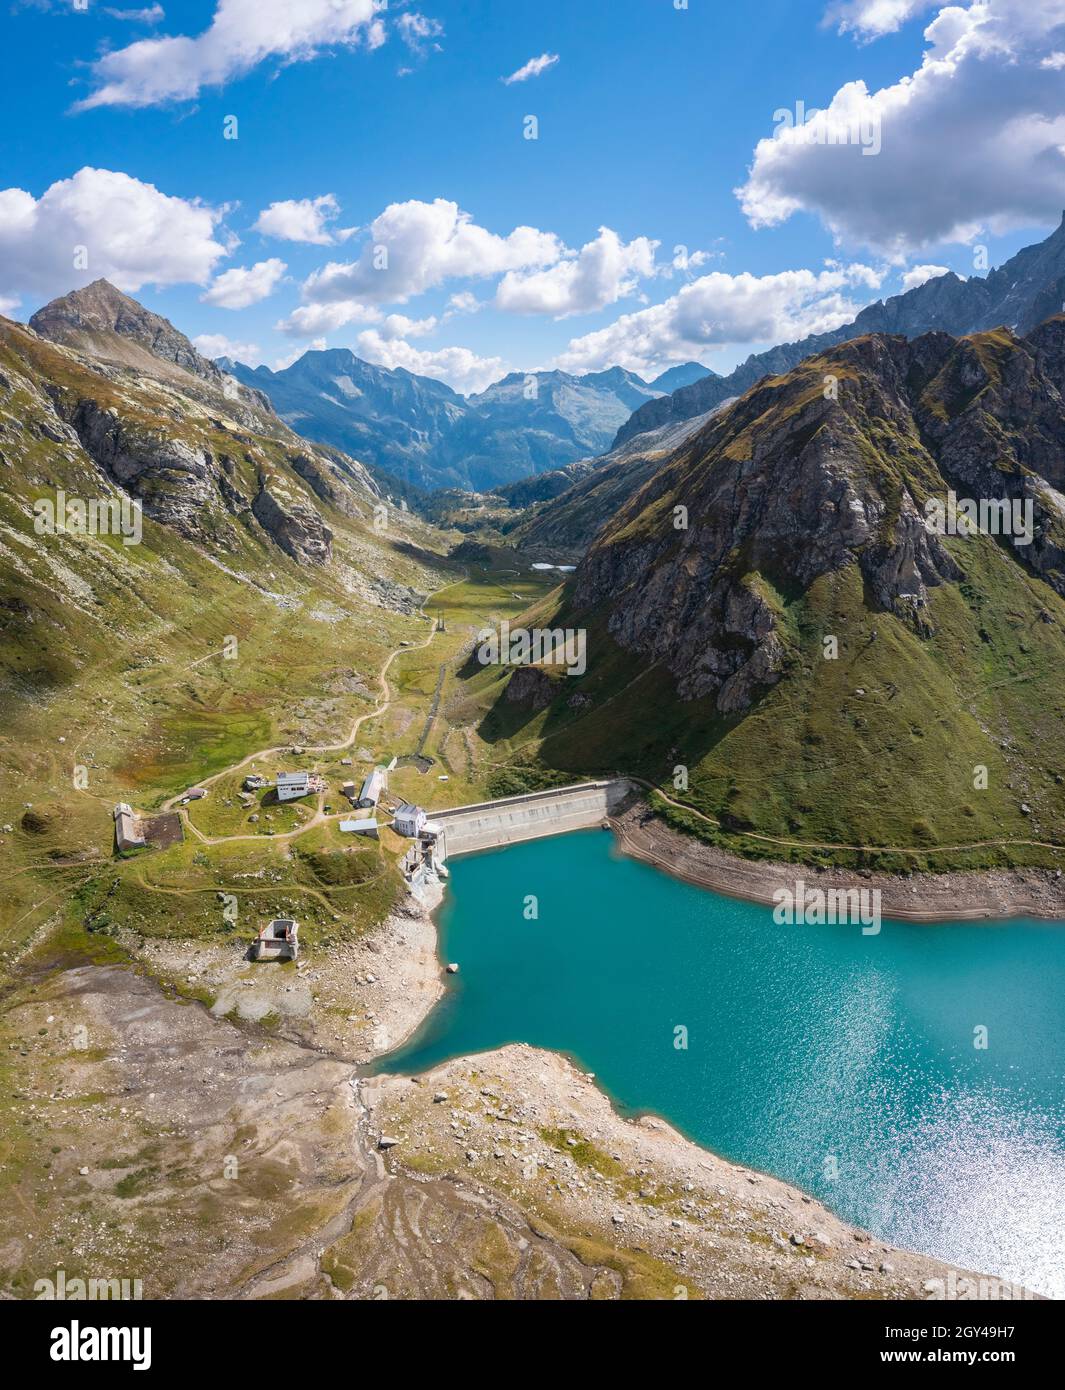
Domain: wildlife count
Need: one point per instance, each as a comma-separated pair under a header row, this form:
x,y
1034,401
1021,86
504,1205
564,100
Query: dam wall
x,y
488,824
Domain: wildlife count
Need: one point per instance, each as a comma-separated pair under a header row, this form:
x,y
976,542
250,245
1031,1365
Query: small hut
x,y
278,940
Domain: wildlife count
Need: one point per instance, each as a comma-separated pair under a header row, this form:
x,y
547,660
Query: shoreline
x,y
395,1103
959,896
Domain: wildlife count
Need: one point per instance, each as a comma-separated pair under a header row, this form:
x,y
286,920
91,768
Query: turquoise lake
x,y
808,1047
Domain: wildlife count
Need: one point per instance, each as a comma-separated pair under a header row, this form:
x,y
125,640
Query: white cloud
x,y
400,326
871,18
132,235
415,246
462,369
9,304
464,302
303,219
918,274
601,273
719,310
418,32
241,35
975,138
244,285
154,14
311,319
218,345
533,68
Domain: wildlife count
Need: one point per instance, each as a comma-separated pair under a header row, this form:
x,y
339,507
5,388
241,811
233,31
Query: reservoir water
x,y
842,1062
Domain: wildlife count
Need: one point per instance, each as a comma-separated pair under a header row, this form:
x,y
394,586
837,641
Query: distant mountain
x,y
1020,294
388,419
683,375
420,430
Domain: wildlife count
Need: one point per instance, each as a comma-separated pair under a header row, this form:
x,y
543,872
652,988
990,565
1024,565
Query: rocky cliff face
x,y
579,500
828,467
1019,294
294,525
107,381
100,318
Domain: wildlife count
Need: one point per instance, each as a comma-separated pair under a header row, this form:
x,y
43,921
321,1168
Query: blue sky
x,y
649,117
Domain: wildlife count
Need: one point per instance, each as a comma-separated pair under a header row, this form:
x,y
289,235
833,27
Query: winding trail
x,y
319,816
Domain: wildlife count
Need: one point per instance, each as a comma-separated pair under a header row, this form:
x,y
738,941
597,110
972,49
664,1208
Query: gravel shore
x,y
992,893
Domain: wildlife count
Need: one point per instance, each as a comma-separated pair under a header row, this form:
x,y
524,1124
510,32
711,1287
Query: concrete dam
x,y
486,824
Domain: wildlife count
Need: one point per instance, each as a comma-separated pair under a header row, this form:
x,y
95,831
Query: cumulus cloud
x,y
462,369
218,345
311,319
415,246
533,68
400,326
974,139
720,310
871,18
242,34
601,273
918,274
132,234
303,219
464,302
9,304
244,285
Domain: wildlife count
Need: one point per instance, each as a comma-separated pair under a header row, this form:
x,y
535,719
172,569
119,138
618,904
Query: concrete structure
x,y
484,825
372,788
292,785
253,782
359,827
409,819
348,789
278,940
127,828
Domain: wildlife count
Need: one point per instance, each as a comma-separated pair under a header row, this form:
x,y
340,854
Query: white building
x,y
292,785
359,827
372,788
409,819
127,828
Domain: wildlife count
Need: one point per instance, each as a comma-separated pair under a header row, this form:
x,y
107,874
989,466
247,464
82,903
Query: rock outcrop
x,y
101,319
833,465
295,526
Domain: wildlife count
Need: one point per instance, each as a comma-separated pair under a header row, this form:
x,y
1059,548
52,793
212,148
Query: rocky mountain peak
x,y
100,319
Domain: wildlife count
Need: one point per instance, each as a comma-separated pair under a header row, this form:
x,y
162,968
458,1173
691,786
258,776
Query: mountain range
x,y
719,554
418,429
1019,294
